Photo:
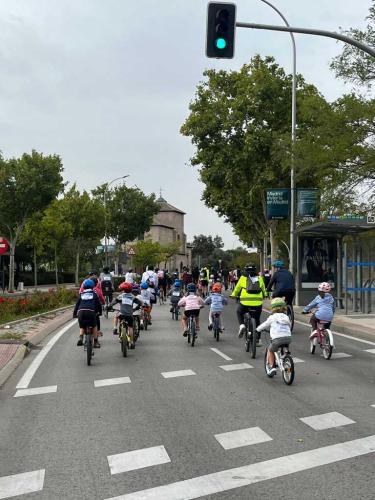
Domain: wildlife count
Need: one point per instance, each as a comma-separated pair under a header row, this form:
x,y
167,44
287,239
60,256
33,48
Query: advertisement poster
x,y
277,204
318,261
308,203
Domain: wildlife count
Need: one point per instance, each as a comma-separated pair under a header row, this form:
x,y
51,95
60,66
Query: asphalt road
x,y
56,445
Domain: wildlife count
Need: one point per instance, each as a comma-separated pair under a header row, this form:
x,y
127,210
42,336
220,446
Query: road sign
x,y
131,251
4,246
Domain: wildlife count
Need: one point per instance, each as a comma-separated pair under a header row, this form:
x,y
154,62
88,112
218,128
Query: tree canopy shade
x,y
27,185
353,65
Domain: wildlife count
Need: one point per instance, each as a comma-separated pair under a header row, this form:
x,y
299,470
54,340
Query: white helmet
x,y
324,287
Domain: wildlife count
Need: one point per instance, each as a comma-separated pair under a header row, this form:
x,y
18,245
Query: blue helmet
x,y
88,284
191,288
177,283
144,285
278,263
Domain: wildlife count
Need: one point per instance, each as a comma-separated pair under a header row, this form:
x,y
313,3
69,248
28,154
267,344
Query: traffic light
x,y
221,24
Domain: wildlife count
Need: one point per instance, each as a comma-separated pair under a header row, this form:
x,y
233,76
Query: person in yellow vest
x,y
251,290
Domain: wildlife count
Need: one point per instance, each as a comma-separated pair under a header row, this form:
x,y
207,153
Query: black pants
x,y
241,310
288,294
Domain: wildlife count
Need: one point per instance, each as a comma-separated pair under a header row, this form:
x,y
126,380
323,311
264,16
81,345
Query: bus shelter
x,y
340,250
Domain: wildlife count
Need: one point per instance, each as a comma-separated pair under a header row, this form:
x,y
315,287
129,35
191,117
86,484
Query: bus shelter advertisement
x,y
318,261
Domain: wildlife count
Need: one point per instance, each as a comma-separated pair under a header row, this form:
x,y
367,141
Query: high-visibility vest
x,y
249,299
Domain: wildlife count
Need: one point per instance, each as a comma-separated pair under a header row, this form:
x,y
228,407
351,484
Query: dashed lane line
x,y
254,473
242,437
21,484
327,421
34,391
111,381
371,351
30,372
224,356
340,355
178,373
237,366
137,459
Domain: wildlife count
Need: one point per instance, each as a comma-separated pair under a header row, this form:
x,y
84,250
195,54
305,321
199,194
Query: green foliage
x,y
147,253
207,250
168,251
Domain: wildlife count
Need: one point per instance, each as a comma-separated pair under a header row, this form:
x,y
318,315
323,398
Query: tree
x,y
85,217
27,185
33,236
204,248
354,65
168,251
147,253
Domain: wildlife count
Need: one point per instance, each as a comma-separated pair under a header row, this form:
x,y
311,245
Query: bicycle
x,y
161,296
88,344
106,306
136,327
175,311
322,336
192,331
284,362
124,336
145,317
216,326
290,314
251,336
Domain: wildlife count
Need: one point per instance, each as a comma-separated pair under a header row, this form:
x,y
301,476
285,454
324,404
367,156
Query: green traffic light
x,y
220,43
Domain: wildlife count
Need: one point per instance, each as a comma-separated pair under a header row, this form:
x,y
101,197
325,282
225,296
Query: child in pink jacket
x,y
192,304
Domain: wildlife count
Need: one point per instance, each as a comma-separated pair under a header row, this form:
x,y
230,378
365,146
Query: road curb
x,y
35,316
13,364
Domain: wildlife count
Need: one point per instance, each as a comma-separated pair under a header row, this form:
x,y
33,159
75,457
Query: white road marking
x,y
254,473
21,484
327,421
138,459
371,351
179,373
340,355
35,391
111,381
373,406
242,437
30,372
227,358
298,360
238,366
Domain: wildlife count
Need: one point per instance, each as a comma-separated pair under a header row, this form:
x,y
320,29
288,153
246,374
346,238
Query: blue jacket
x,y
325,307
217,302
283,281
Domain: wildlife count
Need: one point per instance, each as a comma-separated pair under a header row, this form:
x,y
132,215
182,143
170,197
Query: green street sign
x,y
277,201
308,203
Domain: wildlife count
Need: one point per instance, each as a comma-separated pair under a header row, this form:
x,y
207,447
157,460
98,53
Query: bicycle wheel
x,y
124,341
217,332
253,338
88,343
312,345
288,371
136,328
193,333
270,375
176,313
290,313
247,334
106,311
327,348
145,321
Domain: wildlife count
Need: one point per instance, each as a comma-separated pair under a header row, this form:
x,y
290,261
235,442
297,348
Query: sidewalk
x,y
33,330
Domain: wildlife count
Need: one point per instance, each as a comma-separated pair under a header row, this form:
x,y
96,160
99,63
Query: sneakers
x,y
185,333
115,331
210,326
96,344
80,341
259,343
100,334
241,331
312,335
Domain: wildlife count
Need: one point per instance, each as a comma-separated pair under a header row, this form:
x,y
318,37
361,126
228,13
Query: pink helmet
x,y
324,287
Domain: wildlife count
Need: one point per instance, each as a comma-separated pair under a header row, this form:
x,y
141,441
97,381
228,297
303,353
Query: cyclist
x,y
150,276
137,309
107,284
146,297
203,280
251,291
87,308
162,281
126,299
175,294
283,281
279,324
192,304
324,304
217,301
130,276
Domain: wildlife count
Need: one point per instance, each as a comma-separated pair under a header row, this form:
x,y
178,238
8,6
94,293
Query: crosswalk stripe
x,y
21,484
298,360
178,373
371,351
339,355
224,356
242,437
238,366
327,421
34,391
138,459
111,381
254,473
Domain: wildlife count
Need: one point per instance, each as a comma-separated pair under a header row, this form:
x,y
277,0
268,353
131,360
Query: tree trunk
x,y
35,271
273,242
12,250
77,267
265,252
56,270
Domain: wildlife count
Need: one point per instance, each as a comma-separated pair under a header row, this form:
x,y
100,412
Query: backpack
x,y
253,285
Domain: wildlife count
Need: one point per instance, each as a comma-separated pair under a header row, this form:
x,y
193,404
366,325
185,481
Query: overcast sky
x,y
106,83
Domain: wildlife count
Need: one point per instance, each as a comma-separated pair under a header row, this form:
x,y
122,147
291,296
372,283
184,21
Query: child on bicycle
x,y
175,294
217,301
192,304
126,299
146,297
324,304
279,324
87,309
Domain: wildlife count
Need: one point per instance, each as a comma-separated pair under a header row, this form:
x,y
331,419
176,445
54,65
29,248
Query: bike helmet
x,y
324,287
216,288
278,263
191,288
106,270
177,283
278,302
250,268
94,272
127,287
88,284
144,285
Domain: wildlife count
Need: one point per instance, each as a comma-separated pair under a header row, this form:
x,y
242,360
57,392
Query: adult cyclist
x,y
283,282
107,285
251,291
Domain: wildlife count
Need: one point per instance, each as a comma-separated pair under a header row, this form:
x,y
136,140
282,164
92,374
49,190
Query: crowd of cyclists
x,y
191,291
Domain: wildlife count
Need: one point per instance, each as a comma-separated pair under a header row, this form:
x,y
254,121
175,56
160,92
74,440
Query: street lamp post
x,y
292,256
105,215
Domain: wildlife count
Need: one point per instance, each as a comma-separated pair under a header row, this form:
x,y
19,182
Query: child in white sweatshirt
x,y
279,324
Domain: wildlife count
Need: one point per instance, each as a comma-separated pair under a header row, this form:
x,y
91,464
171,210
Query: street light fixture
x,y
105,215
